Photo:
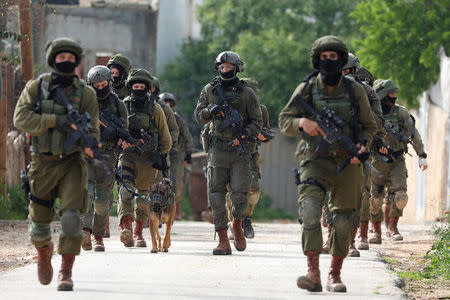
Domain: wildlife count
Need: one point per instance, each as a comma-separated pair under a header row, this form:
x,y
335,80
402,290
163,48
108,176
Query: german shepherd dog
x,y
162,208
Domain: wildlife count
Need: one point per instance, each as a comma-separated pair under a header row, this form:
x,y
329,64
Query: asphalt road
x,y
267,269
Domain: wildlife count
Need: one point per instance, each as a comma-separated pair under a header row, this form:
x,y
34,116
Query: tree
x,y
401,41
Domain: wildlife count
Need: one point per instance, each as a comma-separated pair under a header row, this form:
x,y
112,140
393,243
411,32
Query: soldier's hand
x,y
423,165
261,137
356,160
384,150
236,143
311,127
89,152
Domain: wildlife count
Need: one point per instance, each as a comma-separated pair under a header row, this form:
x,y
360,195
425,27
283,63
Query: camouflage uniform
x,y
225,165
318,172
55,172
394,174
138,170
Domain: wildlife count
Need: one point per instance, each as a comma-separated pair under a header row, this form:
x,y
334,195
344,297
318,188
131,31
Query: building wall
x,y
102,30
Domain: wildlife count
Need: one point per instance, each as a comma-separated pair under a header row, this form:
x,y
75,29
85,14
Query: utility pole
x,y
26,44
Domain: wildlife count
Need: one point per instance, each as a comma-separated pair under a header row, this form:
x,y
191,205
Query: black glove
x,y
214,109
188,157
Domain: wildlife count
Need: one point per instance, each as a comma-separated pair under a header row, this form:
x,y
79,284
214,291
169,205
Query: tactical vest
x,y
398,124
112,107
342,105
52,141
141,118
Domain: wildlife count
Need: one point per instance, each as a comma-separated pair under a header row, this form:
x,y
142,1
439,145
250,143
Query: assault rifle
x,y
268,133
332,126
231,118
148,143
83,124
400,136
113,123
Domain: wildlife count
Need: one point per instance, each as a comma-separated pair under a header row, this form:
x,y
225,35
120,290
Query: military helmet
x,y
139,75
167,97
353,62
229,57
155,82
97,74
384,87
328,43
120,60
364,74
62,45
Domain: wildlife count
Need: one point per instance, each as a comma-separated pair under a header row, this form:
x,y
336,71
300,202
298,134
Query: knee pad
x,y
239,197
39,231
375,204
71,223
400,199
124,195
343,221
310,212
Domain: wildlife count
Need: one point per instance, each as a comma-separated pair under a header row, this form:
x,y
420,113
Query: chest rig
x,y
141,124
111,107
52,141
345,107
393,117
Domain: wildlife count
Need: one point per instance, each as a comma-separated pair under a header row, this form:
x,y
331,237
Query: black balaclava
x,y
139,96
64,72
102,94
387,103
118,81
330,71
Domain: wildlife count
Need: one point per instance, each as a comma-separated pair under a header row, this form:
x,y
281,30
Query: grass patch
x,y
390,260
14,206
264,212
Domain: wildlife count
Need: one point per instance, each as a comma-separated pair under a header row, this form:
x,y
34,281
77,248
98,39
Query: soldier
x,y
327,87
147,122
120,67
230,145
55,171
179,154
141,215
395,172
100,181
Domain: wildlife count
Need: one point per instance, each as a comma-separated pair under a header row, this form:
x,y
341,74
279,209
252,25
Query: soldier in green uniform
x,y
179,154
120,67
100,181
141,215
147,122
394,173
327,87
56,172
227,165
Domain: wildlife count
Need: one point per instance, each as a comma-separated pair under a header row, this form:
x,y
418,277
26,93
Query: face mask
x,y
102,93
66,67
117,79
228,75
330,71
139,93
64,81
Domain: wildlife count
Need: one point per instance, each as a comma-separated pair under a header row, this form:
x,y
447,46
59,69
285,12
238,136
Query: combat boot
x,y
353,252
98,243
363,243
137,235
125,231
224,247
311,282
326,243
393,230
86,243
239,239
387,210
248,228
376,237
45,270
65,282
334,283
107,232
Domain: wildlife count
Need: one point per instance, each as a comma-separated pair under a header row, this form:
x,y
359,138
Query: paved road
x,y
266,270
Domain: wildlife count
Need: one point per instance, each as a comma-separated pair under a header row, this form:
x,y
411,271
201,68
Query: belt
x,y
49,156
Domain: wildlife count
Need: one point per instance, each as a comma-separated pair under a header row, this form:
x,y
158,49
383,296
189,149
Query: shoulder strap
x,y
349,86
413,131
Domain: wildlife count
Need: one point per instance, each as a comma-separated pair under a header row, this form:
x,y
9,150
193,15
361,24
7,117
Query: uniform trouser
x,y
394,179
365,195
177,174
254,192
100,192
318,176
138,174
228,168
65,179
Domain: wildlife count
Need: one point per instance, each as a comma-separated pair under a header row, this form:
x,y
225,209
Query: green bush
x,y
14,206
438,258
264,212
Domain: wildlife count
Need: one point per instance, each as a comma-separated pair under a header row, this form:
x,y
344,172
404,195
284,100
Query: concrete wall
x,y
102,30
